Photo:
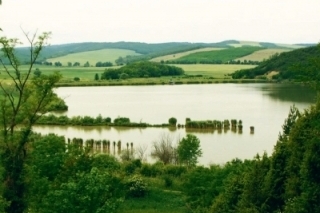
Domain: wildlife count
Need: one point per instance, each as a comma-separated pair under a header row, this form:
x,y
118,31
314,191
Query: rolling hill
x,y
104,55
298,64
147,51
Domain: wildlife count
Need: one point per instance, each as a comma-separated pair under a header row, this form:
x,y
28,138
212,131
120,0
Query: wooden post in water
x,y
251,129
104,146
114,148
240,126
131,148
119,147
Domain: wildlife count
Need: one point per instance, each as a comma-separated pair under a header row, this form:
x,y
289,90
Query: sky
x,y
158,21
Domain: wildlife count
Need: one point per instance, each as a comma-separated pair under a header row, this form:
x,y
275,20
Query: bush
x,y
148,170
136,187
168,182
175,171
172,121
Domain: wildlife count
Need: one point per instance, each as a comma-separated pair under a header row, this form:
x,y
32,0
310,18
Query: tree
x,y
37,72
163,149
92,191
22,103
96,77
87,64
76,64
189,150
172,121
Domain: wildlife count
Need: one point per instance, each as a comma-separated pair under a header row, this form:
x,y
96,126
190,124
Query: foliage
x,y
298,64
58,179
172,121
104,64
87,192
189,150
142,69
136,187
23,102
164,150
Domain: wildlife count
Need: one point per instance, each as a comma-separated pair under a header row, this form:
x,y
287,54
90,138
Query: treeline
x,y
224,56
93,121
297,64
142,69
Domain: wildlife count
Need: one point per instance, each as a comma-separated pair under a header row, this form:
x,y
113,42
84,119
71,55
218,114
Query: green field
x,y
260,55
221,56
202,73
179,55
104,55
212,70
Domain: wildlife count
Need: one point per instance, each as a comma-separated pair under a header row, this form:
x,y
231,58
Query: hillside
x,y
217,56
103,55
147,50
296,64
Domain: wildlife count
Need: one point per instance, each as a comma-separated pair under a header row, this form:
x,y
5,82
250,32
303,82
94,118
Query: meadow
x,y
179,55
216,57
103,55
194,73
261,55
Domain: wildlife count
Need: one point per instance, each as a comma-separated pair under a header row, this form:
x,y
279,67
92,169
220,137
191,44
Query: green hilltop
x,y
146,51
298,64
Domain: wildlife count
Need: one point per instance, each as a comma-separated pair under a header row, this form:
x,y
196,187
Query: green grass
x,y
179,55
156,201
260,55
104,55
212,70
224,55
211,73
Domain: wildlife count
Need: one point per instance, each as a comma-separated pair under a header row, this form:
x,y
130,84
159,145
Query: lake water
x,y
264,106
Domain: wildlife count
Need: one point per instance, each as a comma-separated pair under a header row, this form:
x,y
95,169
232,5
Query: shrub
x,y
168,182
136,186
172,121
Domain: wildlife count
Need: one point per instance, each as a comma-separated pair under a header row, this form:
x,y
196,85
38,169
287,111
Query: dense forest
x,y
141,69
298,64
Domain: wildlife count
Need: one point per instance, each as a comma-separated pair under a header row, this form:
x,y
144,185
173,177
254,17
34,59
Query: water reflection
x,y
286,92
264,106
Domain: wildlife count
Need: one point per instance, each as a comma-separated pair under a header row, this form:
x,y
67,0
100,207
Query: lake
x,y
264,106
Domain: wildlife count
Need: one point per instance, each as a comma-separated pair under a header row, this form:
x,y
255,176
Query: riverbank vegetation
x,y
284,181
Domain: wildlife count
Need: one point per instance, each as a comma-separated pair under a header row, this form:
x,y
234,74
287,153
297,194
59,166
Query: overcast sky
x,y
155,21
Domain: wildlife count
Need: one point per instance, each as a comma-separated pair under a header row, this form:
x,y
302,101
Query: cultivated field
x,y
104,55
262,54
179,55
212,70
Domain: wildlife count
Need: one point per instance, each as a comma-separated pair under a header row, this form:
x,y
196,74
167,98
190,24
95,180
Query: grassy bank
x,y
194,74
